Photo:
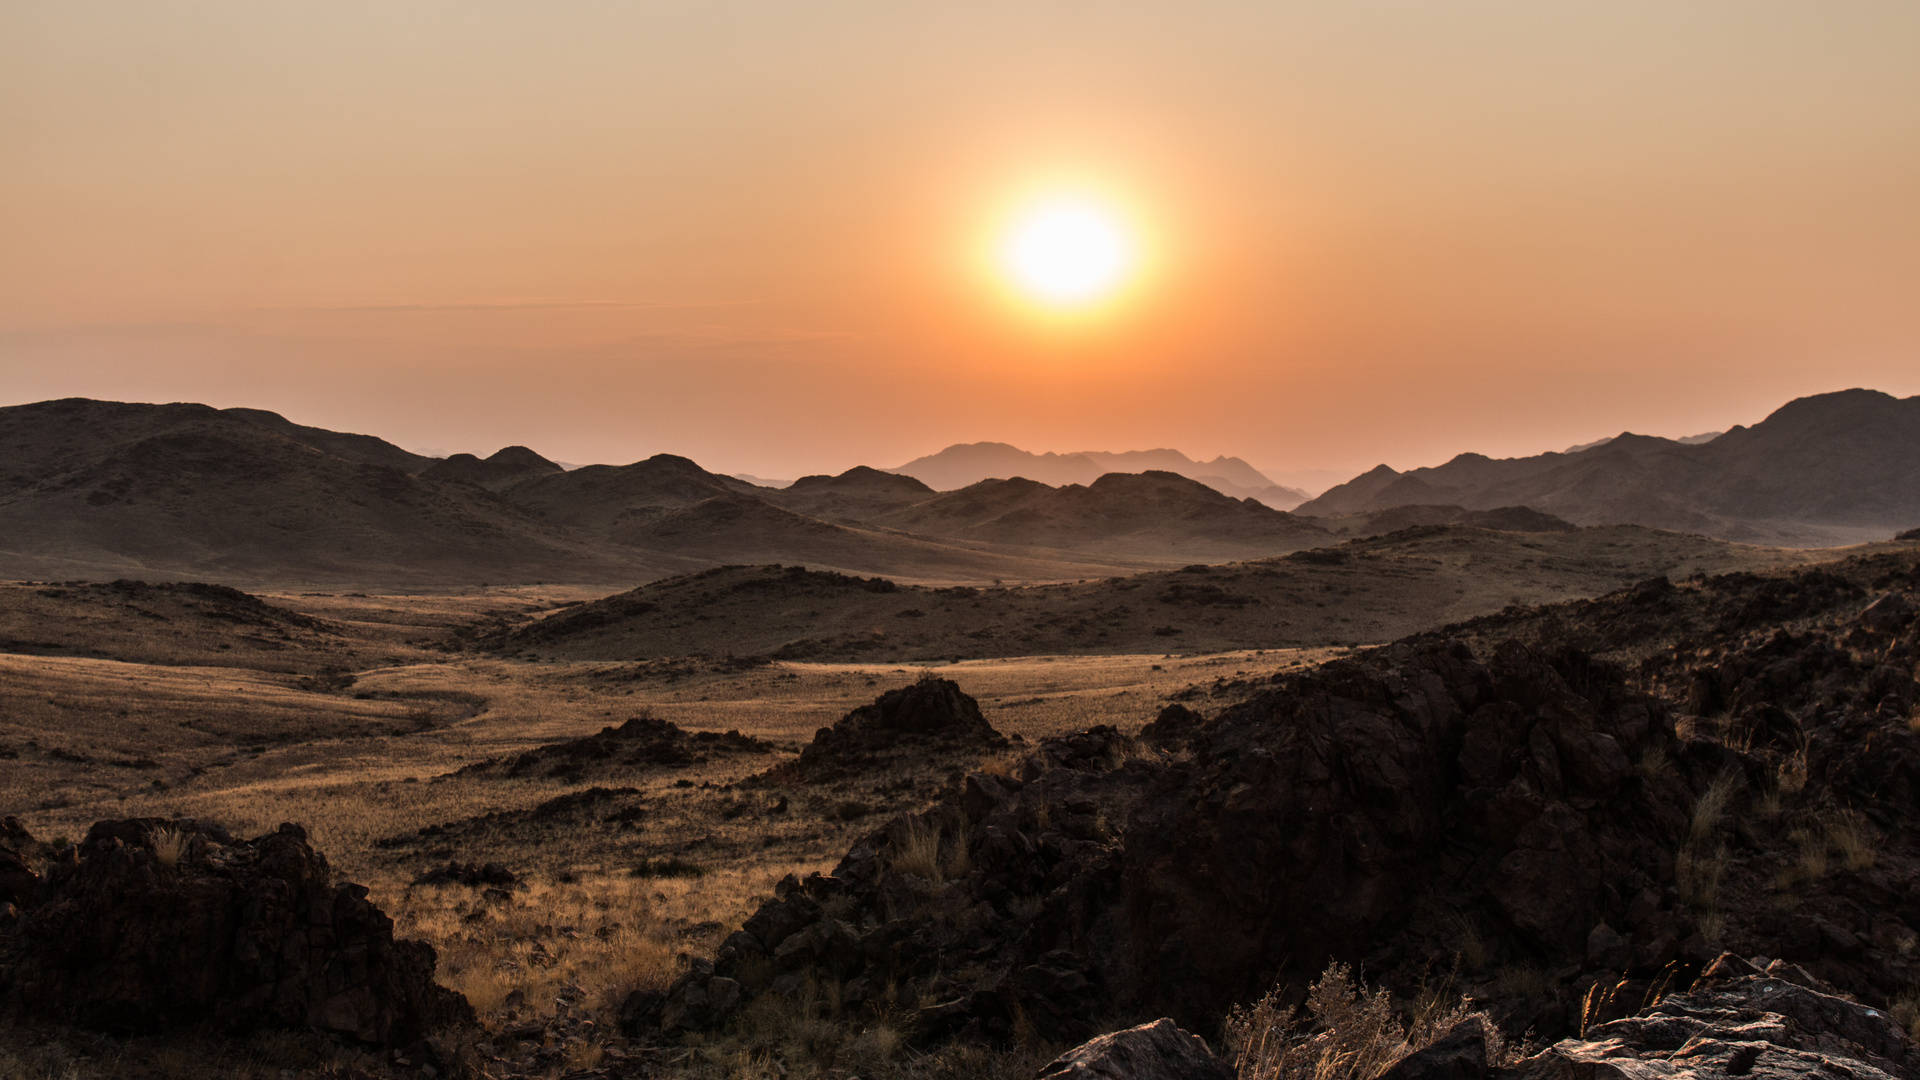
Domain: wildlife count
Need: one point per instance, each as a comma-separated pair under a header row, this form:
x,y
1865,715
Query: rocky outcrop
x,y
149,924
932,716
639,744
1156,1051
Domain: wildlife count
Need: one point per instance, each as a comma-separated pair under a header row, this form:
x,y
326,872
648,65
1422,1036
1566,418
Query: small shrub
x,y
1653,761
169,845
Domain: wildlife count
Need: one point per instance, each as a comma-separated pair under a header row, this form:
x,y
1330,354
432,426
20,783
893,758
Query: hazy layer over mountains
x,y
1829,469
969,463
108,489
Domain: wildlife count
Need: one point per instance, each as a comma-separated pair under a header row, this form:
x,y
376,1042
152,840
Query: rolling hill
x,y
111,489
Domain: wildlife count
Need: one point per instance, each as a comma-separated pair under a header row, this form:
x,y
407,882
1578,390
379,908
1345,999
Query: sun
x,y
1068,252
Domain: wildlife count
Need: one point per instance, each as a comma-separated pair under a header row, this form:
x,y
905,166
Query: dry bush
x,y
1713,927
1697,874
1469,945
169,845
1852,839
917,851
1793,772
1906,1012
1710,810
1811,864
1349,1032
1653,761
958,862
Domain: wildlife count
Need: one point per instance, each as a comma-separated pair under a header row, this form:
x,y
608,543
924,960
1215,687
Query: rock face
x,y
1752,1025
1156,1051
149,924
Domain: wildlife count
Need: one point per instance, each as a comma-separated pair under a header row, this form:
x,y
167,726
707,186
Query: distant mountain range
x,y
965,464
1829,469
92,489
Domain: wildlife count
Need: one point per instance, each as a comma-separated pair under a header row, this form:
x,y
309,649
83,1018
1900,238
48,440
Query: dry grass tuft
x,y
1851,838
1349,1032
1906,1012
1793,773
1710,810
1653,761
917,852
169,846
1697,874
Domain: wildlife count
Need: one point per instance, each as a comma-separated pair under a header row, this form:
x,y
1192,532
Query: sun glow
x,y
1068,252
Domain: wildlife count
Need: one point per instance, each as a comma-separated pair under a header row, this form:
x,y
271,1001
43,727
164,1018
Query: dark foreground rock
x,y
148,925
1156,1051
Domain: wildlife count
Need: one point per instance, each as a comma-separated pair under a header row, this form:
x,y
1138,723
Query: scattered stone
x,y
458,873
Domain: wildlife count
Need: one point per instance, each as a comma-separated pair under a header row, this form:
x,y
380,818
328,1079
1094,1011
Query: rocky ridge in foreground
x,y
1523,819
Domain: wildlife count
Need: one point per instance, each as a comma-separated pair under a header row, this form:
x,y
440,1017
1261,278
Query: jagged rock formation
x,y
1735,1021
149,924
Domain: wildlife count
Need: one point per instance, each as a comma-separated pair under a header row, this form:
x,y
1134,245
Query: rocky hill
x,y
1833,468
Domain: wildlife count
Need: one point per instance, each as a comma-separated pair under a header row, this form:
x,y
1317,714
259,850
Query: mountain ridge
x,y
1830,468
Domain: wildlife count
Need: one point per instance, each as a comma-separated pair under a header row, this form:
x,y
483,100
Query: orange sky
x,y
1378,230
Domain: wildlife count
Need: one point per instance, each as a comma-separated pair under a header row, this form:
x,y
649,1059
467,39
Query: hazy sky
x,y
750,232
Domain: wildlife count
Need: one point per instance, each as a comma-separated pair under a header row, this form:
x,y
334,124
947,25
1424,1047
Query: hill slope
x,y
1363,591
109,489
